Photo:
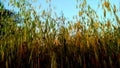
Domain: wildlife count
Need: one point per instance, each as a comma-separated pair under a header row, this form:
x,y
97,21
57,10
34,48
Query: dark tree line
x,y
8,22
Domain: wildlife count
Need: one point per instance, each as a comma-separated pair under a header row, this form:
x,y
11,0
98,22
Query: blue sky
x,y
68,7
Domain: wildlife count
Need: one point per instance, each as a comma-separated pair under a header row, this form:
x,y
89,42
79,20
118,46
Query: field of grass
x,y
43,42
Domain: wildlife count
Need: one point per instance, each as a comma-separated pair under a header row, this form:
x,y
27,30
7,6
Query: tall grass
x,y
43,42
